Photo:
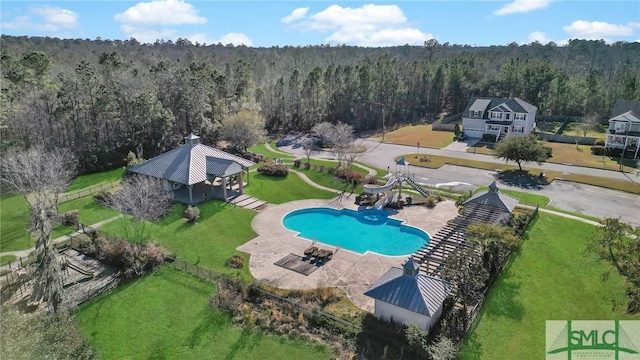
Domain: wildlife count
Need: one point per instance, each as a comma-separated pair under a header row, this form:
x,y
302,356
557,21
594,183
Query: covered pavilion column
x,y
248,177
241,183
190,194
224,188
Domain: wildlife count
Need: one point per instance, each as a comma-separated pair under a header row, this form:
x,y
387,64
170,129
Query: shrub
x,y
371,179
307,166
133,160
599,142
489,137
235,262
256,158
321,168
296,163
274,170
132,259
192,214
431,201
598,150
331,170
71,218
102,197
549,151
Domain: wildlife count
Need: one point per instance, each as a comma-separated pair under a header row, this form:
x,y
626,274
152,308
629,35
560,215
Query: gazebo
x,y
195,171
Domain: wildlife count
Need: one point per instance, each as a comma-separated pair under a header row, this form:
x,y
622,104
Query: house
x,y
194,171
407,296
624,128
499,117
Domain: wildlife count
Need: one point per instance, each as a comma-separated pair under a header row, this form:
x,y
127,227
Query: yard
x,y
14,221
167,315
210,242
278,190
551,278
569,154
412,134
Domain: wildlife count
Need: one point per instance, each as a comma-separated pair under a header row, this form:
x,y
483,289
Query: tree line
x,y
104,98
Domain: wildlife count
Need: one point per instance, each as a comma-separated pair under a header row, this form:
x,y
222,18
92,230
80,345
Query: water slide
x,y
384,200
375,189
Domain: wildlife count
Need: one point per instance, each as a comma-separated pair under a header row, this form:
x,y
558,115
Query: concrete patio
x,y
352,272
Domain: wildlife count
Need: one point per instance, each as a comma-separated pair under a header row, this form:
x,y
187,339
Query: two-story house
x,y
500,117
624,128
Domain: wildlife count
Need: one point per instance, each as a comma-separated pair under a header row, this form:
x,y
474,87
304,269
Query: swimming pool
x,y
358,231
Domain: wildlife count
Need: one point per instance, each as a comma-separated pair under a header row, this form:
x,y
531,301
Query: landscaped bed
x,y
551,278
167,315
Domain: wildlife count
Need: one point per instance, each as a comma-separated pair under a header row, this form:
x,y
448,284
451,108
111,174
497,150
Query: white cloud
x,y
522,6
235,39
296,14
539,37
44,18
596,30
368,25
160,12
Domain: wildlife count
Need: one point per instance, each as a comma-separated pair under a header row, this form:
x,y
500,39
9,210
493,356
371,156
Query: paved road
x,y
586,199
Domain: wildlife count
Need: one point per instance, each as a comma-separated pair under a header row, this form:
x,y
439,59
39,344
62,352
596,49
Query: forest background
x,y
103,98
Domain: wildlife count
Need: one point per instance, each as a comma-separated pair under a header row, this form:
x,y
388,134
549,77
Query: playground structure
x,y
394,181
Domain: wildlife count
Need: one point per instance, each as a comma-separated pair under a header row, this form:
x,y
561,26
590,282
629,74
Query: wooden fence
x,y
73,195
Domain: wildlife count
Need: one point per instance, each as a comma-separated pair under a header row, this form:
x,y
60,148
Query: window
x,y
518,129
496,115
475,114
494,127
519,116
507,116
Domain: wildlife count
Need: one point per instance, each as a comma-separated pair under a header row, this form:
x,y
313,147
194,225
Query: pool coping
x,y
350,271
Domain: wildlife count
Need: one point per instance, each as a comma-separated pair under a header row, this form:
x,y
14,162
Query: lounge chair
x,y
323,255
310,250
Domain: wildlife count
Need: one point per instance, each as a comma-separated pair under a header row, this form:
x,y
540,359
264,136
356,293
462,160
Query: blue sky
x,y
371,23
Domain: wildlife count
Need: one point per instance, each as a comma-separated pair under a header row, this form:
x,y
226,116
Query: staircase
x,y
417,187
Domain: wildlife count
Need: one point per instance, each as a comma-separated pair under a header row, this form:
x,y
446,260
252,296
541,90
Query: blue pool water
x,y
358,231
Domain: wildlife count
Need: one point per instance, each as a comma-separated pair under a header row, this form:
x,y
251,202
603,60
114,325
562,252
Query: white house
x,y
407,296
500,117
624,128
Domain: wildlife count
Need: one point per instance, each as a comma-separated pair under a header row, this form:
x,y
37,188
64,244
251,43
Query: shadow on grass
x,y
473,347
522,179
504,301
248,340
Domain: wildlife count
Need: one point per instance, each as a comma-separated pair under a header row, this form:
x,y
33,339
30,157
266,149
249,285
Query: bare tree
x,y
309,149
340,136
144,199
350,156
40,176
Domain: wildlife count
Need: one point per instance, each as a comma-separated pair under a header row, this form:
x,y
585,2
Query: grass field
x,y
210,242
262,149
552,278
412,134
167,315
14,221
85,181
278,190
526,198
569,154
438,161
90,212
4,259
597,131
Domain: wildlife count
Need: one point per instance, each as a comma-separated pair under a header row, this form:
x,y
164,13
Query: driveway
x,y
461,146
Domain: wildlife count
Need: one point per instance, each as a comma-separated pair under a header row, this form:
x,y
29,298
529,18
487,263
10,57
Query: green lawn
x,y
262,149
278,190
167,315
14,221
526,198
328,180
5,259
90,212
552,278
85,181
210,242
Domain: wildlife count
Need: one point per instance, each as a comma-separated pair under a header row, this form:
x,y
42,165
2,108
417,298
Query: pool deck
x,y
352,272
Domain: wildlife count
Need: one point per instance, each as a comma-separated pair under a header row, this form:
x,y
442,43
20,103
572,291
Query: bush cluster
x,y
131,259
235,262
549,151
599,142
192,214
517,223
71,218
274,170
489,137
296,163
371,179
346,174
598,150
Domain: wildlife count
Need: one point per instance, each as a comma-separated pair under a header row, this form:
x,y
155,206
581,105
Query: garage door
x,y
473,133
